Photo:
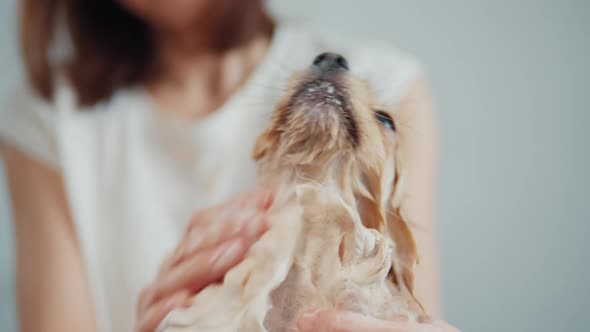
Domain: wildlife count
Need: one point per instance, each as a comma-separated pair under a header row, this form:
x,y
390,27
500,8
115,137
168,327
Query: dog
x,y
336,237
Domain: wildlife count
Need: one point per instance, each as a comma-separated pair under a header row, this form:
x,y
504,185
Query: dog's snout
x,y
330,62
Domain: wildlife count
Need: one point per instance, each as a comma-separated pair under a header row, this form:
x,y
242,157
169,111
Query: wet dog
x,y
337,238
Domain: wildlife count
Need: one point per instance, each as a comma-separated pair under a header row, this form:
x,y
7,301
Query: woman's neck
x,y
192,77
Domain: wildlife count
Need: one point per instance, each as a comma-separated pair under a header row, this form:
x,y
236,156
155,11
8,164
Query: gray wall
x,y
511,84
10,73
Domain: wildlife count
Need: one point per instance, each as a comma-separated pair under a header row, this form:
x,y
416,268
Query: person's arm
x,y
418,134
53,291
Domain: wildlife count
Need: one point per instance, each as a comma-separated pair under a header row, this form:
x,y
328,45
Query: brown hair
x,y
112,48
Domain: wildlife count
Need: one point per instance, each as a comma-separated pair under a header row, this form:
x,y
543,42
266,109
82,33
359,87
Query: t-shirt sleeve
x,y
29,124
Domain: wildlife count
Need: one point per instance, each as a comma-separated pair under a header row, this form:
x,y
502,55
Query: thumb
x,y
331,320
314,320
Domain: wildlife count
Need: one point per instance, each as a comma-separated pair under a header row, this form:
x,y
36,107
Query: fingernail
x,y
253,227
196,239
307,324
250,200
187,303
308,321
166,321
177,254
243,222
227,254
171,303
264,200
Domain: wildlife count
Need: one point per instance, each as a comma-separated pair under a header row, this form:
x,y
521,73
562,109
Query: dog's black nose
x,y
328,62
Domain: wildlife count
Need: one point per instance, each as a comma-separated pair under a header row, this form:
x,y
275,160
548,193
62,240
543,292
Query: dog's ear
x,y
368,201
389,220
406,257
268,138
406,254
263,144
370,213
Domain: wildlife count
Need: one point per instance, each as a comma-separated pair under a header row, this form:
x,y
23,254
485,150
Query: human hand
x,y
215,240
330,320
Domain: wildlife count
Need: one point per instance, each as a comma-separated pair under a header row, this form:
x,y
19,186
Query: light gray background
x,y
511,83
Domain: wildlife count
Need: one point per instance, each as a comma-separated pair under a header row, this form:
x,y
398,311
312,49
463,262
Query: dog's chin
x,y
313,136
321,91
319,114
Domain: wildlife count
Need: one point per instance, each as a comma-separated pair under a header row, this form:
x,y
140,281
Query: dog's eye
x,y
385,119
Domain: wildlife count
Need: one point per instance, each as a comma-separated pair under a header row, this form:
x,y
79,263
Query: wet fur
x,y
346,149
336,236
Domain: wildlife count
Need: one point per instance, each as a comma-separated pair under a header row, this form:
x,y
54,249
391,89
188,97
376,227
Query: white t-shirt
x,y
135,175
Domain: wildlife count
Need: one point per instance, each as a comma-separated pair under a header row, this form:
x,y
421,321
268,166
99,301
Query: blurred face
x,y
177,15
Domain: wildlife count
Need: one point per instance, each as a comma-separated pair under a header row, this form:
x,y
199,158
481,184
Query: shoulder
x,y
22,101
390,70
21,98
28,124
37,127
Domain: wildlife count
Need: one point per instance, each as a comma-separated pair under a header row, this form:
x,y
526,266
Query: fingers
x,y
201,269
331,320
151,318
337,321
174,288
260,200
245,223
252,226
216,240
242,216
